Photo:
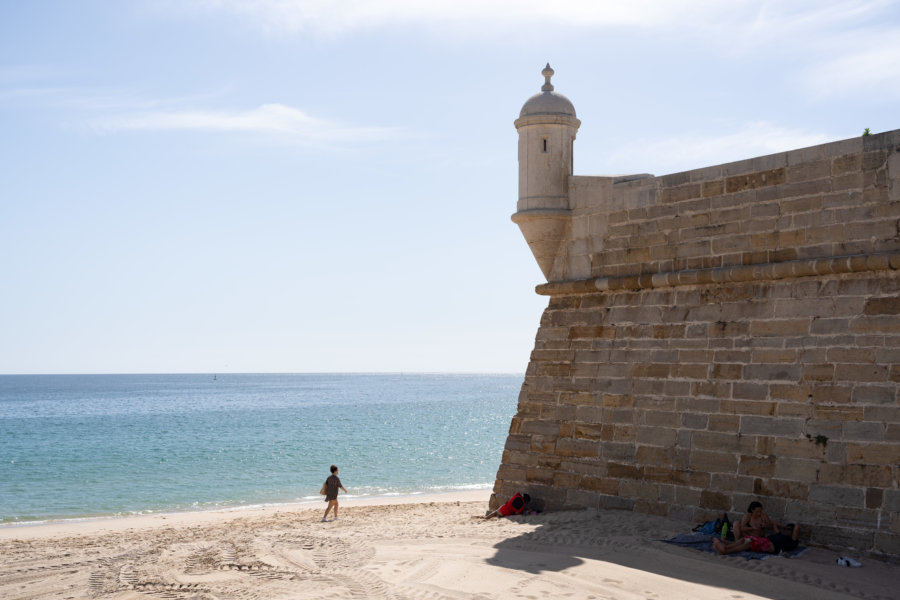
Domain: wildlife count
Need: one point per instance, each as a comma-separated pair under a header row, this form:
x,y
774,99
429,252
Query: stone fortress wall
x,y
714,337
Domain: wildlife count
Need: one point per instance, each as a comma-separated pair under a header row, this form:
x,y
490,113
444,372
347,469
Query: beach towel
x,y
703,543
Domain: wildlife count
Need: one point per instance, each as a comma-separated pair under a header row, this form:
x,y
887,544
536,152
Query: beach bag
x,y
708,528
322,491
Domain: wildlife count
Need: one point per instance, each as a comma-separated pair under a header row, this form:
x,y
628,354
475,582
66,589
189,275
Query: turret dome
x,y
547,102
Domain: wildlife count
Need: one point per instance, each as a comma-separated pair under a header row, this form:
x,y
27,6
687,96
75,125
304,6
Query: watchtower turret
x,y
547,126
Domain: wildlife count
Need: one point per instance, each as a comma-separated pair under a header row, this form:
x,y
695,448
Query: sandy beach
x,y
419,547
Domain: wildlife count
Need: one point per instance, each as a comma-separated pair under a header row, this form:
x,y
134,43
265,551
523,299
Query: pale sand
x,y
412,548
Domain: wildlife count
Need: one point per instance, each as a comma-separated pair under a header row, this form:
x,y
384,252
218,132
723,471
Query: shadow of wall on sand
x,y
621,549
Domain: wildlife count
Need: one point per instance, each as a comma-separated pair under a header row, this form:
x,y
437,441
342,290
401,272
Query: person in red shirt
x,y
513,506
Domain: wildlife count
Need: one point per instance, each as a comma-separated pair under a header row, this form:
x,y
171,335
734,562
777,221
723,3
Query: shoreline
x,y
112,523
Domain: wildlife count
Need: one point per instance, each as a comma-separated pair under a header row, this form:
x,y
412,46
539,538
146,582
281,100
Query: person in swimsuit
x,y
332,485
513,506
754,522
750,534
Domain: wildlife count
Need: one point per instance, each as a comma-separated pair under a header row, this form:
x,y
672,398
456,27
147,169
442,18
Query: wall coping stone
x,y
882,261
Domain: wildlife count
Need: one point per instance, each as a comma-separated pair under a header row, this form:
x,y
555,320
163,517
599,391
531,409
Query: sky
x,y
213,186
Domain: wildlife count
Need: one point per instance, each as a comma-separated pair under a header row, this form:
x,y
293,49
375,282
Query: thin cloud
x,y
749,19
866,63
269,119
694,151
328,18
94,99
809,35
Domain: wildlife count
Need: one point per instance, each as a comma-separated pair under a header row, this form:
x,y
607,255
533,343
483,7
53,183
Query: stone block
x,y
888,414
518,443
838,413
829,326
624,471
569,447
760,425
873,454
892,501
750,391
874,498
731,483
888,544
799,447
773,372
833,394
545,428
720,422
796,469
511,473
819,169
875,394
538,444
694,420
601,484
823,432
794,409
749,407
712,188
617,451
713,462
739,183
619,433
537,475
849,163
658,418
616,503
549,461
727,371
687,496
840,537
581,499
566,480
818,372
839,495
877,324
714,500
774,355
759,466
722,442
780,488
793,393
655,455
587,431
858,475
882,306
863,431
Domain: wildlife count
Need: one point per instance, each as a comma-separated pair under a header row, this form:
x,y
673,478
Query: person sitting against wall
x,y
513,506
754,522
750,534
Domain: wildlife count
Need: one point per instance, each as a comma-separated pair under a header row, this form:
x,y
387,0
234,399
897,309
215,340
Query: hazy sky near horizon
x,y
315,186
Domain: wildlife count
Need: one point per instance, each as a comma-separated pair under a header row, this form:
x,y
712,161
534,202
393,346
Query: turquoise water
x,y
74,446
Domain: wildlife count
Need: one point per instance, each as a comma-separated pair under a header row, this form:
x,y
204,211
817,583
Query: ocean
x,y
83,446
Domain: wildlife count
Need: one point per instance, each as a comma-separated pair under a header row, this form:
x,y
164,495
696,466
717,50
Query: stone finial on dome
x,y
547,101
547,73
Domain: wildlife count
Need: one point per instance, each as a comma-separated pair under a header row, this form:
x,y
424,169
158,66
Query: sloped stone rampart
x,y
725,335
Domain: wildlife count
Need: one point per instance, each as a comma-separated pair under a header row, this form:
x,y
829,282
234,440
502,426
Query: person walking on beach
x,y
332,484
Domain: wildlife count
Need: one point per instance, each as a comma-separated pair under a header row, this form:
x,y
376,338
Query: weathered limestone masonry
x,y
714,336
